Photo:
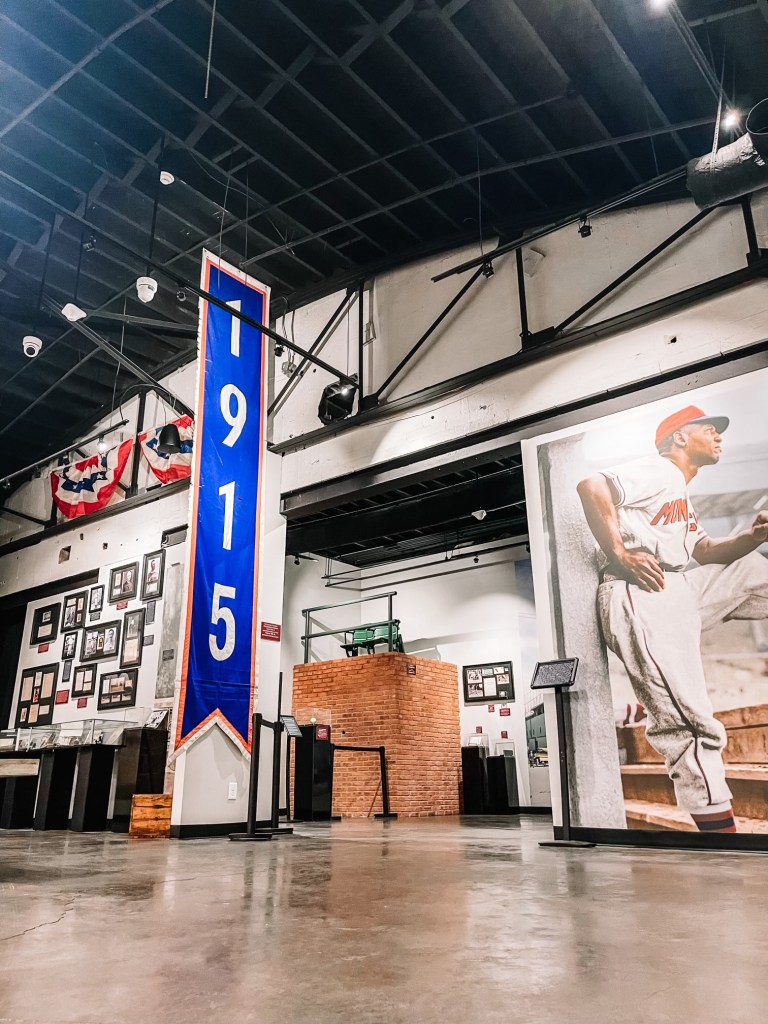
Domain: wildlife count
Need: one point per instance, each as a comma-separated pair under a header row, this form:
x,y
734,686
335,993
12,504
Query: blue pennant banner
x,y
218,673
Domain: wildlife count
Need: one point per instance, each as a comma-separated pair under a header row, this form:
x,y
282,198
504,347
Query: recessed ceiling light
x,y
166,178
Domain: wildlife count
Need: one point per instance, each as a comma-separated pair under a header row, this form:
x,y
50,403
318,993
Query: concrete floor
x,y
414,921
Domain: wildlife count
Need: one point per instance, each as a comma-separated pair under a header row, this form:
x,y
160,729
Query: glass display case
x,y
8,739
107,731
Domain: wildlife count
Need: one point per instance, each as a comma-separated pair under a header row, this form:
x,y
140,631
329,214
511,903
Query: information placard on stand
x,y
559,676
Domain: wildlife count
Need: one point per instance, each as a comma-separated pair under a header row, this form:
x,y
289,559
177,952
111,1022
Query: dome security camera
x,y
480,514
146,288
31,346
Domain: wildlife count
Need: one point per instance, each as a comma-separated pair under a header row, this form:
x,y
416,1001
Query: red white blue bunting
x,y
89,485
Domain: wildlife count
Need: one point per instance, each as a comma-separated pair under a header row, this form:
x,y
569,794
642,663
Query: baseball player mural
x,y
653,605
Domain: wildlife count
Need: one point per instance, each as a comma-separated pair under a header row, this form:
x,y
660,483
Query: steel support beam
x,y
376,396
620,280
177,279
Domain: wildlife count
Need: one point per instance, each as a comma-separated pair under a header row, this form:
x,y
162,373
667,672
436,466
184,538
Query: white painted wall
x,y
488,327
477,614
110,542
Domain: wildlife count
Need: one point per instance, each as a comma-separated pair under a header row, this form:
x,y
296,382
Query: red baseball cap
x,y
690,414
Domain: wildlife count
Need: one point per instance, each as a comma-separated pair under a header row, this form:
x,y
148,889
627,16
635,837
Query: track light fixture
x,y
336,402
488,269
585,228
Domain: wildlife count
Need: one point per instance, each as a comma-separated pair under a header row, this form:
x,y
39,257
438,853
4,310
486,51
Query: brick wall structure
x,y
374,701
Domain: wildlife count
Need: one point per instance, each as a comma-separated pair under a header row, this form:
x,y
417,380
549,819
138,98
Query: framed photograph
x,y
118,689
74,610
45,624
487,684
133,638
96,599
69,647
66,671
100,641
84,684
123,583
152,575
36,695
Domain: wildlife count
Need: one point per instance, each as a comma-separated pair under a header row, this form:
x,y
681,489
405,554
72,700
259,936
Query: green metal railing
x,y
389,622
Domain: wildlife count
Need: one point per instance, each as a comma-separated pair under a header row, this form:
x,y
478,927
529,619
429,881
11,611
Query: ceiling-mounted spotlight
x,y
488,269
731,119
297,560
336,401
146,288
166,178
169,441
476,559
278,350
31,345
585,228
479,514
101,445
89,245
73,313
181,295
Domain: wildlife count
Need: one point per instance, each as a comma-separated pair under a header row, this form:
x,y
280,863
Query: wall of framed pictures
x,y
94,651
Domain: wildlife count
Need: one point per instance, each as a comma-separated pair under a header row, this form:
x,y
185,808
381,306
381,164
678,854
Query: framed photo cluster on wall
x,y
100,642
36,696
45,624
123,583
84,684
74,610
118,689
484,684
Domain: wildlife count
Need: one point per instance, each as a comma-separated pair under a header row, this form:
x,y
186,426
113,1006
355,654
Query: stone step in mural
x,y
649,783
747,730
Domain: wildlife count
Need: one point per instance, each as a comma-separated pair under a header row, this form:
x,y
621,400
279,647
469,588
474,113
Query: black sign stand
x,y
265,833
565,796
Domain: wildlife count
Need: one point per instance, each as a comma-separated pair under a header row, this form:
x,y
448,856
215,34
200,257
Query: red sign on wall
x,y
491,708
410,669
270,631
478,728
82,702
121,604
504,734
505,712
322,732
43,648
62,696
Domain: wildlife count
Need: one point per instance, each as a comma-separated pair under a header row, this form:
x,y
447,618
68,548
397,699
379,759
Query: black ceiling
x,y
337,137
421,518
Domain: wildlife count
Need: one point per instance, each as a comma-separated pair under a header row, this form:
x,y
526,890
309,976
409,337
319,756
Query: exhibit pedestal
x,y
54,795
92,788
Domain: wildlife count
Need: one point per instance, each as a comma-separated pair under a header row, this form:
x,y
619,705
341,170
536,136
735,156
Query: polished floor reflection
x,y
415,921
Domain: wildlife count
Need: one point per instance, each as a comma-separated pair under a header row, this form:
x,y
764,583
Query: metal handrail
x,y
309,636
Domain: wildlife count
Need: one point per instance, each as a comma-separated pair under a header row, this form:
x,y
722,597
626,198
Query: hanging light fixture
x,y
336,402
169,441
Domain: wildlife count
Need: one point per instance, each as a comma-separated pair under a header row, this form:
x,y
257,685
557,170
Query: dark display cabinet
x,y
313,774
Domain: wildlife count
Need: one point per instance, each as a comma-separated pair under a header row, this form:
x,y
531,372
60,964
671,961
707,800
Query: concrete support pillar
x,y
596,795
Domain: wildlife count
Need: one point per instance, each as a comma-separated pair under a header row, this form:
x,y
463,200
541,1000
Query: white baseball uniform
x,y
657,634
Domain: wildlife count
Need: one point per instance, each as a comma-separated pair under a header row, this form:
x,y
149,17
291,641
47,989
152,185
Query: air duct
x,y
735,170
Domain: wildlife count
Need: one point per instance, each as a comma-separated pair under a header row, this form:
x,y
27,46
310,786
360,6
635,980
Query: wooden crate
x,y
150,816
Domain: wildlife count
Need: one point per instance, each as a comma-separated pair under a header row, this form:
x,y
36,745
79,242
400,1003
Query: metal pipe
x,y
178,279
346,301
734,170
360,341
524,331
431,329
253,789
610,204
642,262
344,604
60,452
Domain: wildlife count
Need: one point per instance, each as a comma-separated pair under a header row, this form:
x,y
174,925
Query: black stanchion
x,y
254,834
382,752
